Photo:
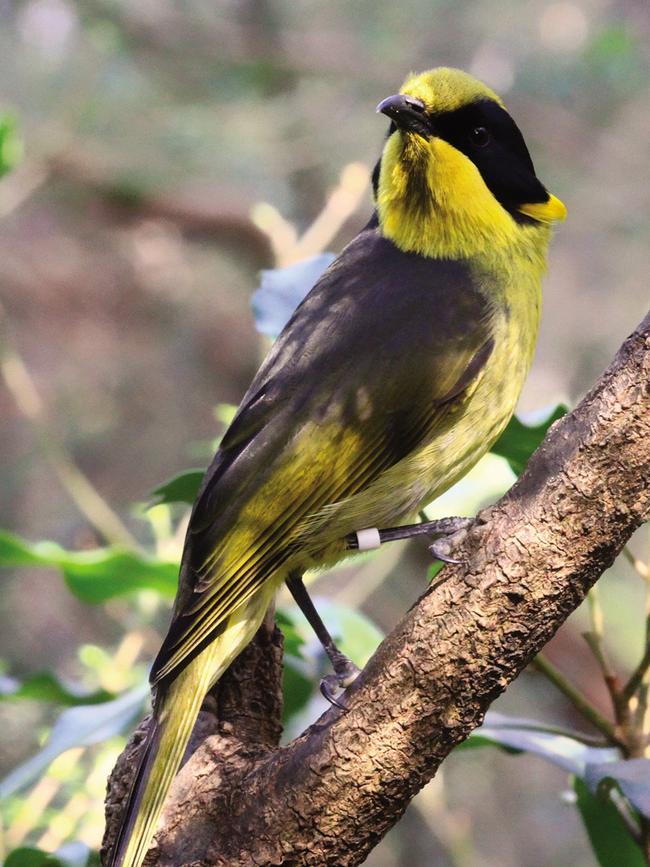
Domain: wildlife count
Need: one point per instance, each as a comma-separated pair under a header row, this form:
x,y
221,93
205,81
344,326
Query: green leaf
x,y
45,686
78,726
297,681
612,42
73,854
519,440
433,570
612,844
11,144
97,575
183,488
28,857
297,688
293,640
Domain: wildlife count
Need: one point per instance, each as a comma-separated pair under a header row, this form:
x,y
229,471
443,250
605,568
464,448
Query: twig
x,y
88,500
579,701
594,639
594,642
339,207
642,568
639,683
637,676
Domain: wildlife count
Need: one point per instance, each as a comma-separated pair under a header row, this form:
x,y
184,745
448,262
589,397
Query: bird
x,y
394,375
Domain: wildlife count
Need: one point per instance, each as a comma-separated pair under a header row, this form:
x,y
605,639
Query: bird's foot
x,y
332,686
450,539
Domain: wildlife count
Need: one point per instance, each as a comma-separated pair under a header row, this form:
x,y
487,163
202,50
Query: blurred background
x,y
171,151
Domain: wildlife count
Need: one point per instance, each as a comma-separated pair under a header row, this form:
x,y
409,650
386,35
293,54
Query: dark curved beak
x,y
407,113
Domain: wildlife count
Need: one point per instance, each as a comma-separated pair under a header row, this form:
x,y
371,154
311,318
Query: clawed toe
x,y
443,548
329,687
332,685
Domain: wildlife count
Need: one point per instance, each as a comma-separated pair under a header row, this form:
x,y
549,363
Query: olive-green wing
x,y
369,363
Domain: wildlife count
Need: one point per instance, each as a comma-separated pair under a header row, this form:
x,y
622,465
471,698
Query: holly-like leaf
x,y
183,488
96,575
519,440
282,289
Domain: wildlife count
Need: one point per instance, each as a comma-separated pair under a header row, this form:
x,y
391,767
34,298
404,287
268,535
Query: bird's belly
x,y
474,424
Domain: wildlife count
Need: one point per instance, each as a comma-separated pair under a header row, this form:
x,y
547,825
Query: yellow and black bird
x,y
393,377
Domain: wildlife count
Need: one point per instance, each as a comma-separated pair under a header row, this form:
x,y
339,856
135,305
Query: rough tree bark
x,y
330,795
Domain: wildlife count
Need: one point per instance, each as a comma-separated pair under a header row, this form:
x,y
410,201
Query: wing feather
x,y
367,367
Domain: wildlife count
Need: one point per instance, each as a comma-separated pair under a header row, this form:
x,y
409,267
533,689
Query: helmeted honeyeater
x,y
393,377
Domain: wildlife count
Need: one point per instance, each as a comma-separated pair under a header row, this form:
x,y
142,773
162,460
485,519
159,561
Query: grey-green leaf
x,y
534,737
45,686
79,726
282,289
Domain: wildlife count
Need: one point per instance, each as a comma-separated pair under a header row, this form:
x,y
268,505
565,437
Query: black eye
x,y
479,136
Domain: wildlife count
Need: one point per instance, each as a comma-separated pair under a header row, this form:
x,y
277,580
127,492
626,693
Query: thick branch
x,y
330,795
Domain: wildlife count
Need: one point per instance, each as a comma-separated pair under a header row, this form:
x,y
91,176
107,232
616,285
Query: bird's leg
x,y
450,533
345,671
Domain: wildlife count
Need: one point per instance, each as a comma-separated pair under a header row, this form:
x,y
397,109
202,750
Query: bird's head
x,y
455,176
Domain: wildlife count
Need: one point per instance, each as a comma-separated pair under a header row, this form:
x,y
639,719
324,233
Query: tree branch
x,y
329,796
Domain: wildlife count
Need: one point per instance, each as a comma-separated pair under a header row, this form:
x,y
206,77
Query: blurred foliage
x,y
11,145
48,687
97,575
156,138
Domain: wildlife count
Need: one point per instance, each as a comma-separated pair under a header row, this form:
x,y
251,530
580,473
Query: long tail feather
x,y
174,720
